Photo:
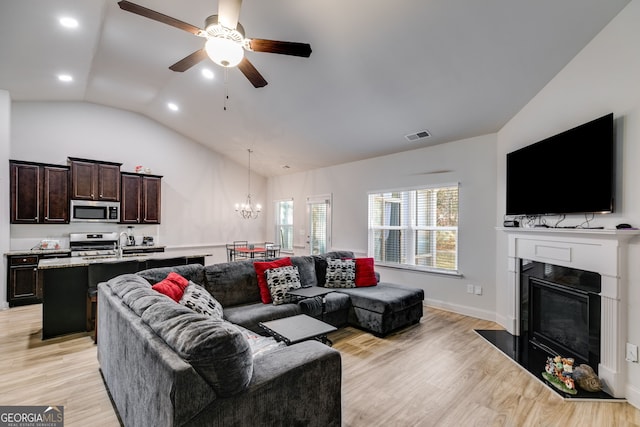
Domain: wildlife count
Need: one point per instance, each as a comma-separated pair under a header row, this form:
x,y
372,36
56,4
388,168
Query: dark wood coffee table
x,y
298,328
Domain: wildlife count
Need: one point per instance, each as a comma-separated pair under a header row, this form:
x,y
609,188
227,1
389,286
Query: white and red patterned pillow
x,y
199,300
281,280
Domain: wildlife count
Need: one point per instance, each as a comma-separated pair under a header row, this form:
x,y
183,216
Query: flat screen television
x,y
571,172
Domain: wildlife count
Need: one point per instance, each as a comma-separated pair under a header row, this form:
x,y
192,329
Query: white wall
x,y
5,128
471,162
604,77
199,186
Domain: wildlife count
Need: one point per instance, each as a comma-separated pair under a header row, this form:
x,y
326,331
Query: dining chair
x,y
230,251
240,244
272,250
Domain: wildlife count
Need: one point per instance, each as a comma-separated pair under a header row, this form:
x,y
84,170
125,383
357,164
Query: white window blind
x,y
416,228
284,224
319,208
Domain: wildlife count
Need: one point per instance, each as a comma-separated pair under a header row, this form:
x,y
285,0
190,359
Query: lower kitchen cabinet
x,y
24,284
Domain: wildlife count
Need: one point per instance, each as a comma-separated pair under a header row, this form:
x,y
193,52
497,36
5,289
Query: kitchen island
x,y
66,282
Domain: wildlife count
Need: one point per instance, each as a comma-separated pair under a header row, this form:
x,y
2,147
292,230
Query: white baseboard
x,y
462,309
4,305
633,396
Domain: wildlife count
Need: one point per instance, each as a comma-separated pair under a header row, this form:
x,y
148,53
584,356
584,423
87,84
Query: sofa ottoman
x,y
384,308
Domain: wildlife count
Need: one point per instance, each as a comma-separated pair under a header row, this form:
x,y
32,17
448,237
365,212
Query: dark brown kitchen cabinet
x,y
141,199
39,193
94,180
24,285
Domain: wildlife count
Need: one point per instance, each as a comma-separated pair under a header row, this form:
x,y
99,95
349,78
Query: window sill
x,y
453,273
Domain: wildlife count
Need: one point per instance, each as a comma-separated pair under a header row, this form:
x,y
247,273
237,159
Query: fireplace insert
x,y
561,311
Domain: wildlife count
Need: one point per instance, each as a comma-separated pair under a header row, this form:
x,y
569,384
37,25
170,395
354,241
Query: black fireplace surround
x,y
560,311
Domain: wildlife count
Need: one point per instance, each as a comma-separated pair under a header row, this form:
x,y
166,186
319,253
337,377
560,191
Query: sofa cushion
x,y
193,272
199,300
261,267
216,349
385,297
320,264
281,280
172,286
365,273
249,315
307,270
232,283
135,292
340,273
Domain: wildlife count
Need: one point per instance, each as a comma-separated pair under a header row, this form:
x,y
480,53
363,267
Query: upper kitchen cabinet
x,y
95,180
141,198
39,193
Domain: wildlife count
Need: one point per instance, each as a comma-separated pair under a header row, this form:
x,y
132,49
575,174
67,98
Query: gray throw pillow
x,y
199,300
281,280
341,273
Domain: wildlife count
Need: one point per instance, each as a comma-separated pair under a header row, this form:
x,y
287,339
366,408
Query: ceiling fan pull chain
x,y
226,87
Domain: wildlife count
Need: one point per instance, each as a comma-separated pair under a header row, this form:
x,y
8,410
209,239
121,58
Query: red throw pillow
x,y
365,274
261,267
172,286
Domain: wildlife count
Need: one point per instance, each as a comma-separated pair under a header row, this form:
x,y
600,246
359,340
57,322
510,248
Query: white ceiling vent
x,y
418,135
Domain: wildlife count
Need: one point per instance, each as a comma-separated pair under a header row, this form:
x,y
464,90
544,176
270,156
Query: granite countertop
x,y
24,252
80,261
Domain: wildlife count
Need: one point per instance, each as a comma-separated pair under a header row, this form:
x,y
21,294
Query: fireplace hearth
x,y
533,360
559,315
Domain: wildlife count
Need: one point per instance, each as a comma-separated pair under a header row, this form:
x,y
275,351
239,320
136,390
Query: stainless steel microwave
x,y
94,211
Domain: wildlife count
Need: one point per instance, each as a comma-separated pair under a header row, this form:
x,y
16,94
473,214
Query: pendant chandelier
x,y
248,210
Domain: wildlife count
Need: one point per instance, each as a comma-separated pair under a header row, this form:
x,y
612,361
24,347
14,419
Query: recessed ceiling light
x,y
207,73
65,78
68,22
172,106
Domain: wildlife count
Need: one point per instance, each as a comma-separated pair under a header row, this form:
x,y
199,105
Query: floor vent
x,y
418,135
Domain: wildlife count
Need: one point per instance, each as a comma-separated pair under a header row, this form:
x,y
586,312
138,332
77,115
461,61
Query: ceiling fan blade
x,y
251,73
157,16
229,13
189,61
283,48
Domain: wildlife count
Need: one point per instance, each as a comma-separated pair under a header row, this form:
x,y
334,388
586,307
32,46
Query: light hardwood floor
x,y
436,373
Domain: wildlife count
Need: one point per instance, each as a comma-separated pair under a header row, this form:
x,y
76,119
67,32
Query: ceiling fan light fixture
x,y
224,52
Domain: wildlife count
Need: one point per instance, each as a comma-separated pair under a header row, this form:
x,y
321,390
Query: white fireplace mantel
x,y
600,251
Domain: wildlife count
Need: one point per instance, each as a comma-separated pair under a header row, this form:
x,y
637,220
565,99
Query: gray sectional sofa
x,y
166,365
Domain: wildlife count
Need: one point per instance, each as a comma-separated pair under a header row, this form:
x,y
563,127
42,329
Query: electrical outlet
x,y
631,353
470,289
477,290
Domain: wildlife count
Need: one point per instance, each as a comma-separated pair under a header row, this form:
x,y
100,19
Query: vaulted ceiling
x,y
378,71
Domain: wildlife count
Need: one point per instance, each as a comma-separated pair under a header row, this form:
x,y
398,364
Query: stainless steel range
x,y
94,245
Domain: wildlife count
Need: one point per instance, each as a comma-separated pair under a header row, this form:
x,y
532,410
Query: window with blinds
x,y
318,220
415,228
284,224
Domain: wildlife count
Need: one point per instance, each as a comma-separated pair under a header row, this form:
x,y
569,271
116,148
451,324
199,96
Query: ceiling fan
x,y
226,42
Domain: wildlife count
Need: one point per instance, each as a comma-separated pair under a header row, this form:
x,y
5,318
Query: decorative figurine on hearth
x,y
559,372
586,378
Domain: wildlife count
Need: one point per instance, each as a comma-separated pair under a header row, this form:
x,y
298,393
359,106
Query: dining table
x,y
248,252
